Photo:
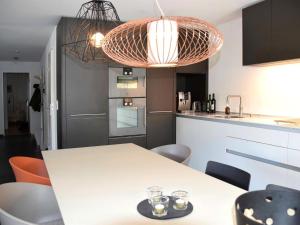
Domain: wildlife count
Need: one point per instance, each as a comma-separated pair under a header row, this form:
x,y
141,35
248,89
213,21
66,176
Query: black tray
x,y
145,209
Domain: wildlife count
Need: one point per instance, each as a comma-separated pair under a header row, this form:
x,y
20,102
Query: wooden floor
x,y
20,145
17,128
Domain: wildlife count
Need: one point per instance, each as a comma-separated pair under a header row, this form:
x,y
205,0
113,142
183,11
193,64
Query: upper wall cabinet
x,y
285,29
271,31
257,33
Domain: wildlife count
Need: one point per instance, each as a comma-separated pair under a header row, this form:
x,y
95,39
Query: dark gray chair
x,y
229,174
28,204
176,152
274,187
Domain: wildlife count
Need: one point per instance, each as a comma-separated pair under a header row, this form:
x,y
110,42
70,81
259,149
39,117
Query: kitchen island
x,y
267,147
103,185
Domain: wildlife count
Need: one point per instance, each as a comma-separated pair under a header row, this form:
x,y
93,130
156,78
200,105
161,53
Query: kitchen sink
x,y
229,116
284,121
287,121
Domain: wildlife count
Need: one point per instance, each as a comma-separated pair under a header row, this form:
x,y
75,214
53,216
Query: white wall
x,y
48,64
33,68
269,90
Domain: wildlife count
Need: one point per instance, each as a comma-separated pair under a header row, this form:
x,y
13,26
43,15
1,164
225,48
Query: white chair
x,y
28,204
176,152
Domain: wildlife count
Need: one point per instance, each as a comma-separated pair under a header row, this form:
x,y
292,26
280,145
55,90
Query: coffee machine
x,y
184,100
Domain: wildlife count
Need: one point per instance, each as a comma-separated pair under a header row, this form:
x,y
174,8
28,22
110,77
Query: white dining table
x,y
102,186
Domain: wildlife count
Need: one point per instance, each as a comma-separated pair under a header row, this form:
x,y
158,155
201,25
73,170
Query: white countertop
x,y
249,119
103,185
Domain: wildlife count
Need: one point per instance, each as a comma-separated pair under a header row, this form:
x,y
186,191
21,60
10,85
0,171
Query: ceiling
x,y
25,26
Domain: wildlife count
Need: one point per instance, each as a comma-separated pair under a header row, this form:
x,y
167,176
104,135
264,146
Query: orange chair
x,y
29,170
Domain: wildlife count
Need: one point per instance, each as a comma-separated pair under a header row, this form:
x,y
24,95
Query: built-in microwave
x,y
127,82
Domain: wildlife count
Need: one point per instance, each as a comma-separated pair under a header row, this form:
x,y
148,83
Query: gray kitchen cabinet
x,y
84,131
83,98
138,140
161,96
86,87
201,67
161,129
161,87
85,103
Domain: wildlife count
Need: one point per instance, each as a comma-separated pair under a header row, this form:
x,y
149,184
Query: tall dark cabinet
x,y
271,31
85,104
161,88
83,98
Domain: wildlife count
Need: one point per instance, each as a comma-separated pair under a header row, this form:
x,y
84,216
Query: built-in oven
x,y
127,116
127,82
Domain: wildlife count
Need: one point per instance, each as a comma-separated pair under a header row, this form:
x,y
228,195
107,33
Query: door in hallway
x,y
16,97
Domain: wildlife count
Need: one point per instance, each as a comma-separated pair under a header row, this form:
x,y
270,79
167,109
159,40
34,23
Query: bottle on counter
x,y
208,104
227,109
213,104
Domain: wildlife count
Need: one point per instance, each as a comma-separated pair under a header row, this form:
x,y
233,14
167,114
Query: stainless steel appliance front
x,y
122,84
184,101
127,119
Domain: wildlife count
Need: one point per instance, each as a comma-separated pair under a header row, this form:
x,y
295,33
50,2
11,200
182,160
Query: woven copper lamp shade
x,y
86,32
162,42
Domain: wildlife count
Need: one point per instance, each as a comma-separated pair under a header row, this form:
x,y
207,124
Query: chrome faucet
x,y
240,106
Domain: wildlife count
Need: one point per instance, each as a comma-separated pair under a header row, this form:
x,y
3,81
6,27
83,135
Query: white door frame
x,y
53,99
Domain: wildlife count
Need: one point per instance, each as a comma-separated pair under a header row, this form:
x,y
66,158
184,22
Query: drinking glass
x,y
180,199
153,192
160,206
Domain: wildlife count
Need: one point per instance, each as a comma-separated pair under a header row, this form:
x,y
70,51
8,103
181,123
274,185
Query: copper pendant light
x,y
169,41
86,32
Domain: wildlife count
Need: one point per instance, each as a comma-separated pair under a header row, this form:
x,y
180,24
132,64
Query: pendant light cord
x,y
159,8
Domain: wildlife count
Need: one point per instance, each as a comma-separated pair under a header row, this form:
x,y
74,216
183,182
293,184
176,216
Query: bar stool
x,y
28,204
176,152
32,170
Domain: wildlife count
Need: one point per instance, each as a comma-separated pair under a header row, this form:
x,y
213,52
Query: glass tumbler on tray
x,y
160,206
180,199
154,191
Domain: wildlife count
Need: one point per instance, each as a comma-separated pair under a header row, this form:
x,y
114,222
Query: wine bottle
x,y
213,103
208,104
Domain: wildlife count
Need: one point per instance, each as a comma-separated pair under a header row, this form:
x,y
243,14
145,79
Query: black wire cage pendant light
x,y
86,32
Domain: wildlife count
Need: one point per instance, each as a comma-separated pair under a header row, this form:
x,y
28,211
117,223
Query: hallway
x,y
21,145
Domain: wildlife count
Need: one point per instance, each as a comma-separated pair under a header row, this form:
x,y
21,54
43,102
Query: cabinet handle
x,y
153,112
145,115
259,159
78,115
127,137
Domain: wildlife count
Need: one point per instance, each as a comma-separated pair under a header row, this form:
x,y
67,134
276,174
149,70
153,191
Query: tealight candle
x,y
180,203
159,209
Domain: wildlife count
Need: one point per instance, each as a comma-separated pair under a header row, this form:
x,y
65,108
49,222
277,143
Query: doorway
x,y
16,97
